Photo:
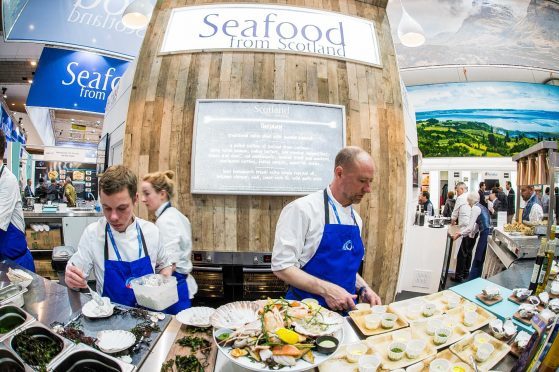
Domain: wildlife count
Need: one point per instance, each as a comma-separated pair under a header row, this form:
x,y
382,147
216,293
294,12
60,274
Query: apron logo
x,y
348,246
127,282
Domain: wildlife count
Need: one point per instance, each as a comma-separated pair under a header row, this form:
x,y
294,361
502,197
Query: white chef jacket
x,y
300,227
10,201
90,254
536,213
462,211
176,237
472,229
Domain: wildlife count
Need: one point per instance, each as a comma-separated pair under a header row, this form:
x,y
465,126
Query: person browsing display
x,y
13,245
318,247
533,211
175,233
119,247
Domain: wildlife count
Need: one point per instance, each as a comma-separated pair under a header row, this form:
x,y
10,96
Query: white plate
x,y
114,341
196,316
301,365
89,309
334,320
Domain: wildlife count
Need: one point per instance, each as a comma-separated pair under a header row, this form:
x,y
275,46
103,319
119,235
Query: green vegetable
x,y
195,343
397,350
36,350
223,336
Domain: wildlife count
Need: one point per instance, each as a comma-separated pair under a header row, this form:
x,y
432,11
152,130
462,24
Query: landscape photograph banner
x,y
490,119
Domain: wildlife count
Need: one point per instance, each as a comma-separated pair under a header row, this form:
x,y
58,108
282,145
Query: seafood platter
x,y
277,333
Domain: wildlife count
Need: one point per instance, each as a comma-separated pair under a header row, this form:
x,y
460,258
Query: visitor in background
x,y
424,200
70,193
52,191
545,201
479,223
511,201
481,193
28,191
461,217
533,211
41,191
449,205
502,197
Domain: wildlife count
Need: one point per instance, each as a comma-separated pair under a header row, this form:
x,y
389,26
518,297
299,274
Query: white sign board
x,y
272,28
70,154
264,147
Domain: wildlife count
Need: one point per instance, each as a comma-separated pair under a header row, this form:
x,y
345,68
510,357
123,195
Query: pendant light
x,y
137,14
410,32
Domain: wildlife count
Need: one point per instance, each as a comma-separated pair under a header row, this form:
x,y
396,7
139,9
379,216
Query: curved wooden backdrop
x,y
161,113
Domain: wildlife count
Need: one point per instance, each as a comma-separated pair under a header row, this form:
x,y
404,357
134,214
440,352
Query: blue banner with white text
x,y
90,24
67,79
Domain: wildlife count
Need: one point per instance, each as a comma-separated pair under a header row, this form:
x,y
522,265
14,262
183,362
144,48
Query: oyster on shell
x,y
522,339
522,293
544,298
527,310
554,305
490,292
534,300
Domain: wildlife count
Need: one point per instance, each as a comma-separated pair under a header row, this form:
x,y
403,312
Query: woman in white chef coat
x,y
157,190
120,246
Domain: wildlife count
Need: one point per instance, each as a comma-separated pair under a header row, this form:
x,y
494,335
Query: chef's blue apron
x,y
484,224
182,287
119,273
528,208
13,245
337,258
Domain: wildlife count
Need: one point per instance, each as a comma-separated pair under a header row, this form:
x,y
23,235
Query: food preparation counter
x,y
69,213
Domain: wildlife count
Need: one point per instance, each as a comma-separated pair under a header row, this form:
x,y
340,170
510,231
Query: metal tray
x,y
124,321
9,311
77,358
16,364
66,344
10,293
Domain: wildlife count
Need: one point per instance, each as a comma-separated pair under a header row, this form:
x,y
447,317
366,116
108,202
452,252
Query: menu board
x,y
83,176
259,147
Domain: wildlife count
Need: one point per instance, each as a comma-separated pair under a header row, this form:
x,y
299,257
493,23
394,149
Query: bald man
x,y
318,247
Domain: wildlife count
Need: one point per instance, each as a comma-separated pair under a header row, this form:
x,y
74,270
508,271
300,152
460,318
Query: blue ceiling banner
x,y
89,24
72,80
6,124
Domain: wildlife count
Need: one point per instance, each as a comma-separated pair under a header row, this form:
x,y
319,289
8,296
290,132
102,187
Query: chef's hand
x,y
456,236
338,298
74,277
370,296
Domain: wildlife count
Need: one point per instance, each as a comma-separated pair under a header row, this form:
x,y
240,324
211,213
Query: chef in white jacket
x,y
120,246
157,190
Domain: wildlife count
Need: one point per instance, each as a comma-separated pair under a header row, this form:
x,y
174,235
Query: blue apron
x,y
484,224
119,273
182,287
528,207
337,258
13,245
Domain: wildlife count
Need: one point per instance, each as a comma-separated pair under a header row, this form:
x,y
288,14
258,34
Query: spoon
x,y
98,300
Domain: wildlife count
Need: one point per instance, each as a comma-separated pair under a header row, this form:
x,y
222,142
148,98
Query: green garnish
x,y
193,342
223,336
397,350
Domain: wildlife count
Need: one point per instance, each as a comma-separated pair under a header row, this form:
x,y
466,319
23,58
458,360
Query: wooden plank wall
x,y
161,112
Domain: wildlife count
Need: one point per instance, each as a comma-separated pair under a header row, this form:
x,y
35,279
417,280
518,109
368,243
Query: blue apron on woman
x,y
182,287
528,207
484,224
337,258
13,245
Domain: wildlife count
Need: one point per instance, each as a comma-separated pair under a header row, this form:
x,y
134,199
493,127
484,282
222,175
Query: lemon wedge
x,y
288,336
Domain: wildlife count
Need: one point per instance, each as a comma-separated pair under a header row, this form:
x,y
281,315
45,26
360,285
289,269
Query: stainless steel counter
x,y
33,215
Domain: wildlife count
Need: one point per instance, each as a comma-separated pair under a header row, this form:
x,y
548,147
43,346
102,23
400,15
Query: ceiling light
x,y
4,89
33,63
137,14
13,104
410,32
30,81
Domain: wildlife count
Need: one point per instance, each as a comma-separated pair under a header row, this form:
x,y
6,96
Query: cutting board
x,y
176,349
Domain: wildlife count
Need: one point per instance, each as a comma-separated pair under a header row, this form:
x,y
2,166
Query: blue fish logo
x,y
348,246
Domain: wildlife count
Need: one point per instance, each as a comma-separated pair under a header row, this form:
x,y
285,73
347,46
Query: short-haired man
x,y
511,201
425,202
28,191
119,247
481,193
533,211
318,247
13,245
461,217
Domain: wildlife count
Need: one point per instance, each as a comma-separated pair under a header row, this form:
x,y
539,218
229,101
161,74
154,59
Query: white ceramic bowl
x,y
355,351
442,335
396,350
369,363
196,316
439,365
484,352
415,348
428,309
388,320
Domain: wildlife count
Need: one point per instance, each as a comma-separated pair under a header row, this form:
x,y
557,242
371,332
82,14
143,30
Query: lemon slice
x,y
288,336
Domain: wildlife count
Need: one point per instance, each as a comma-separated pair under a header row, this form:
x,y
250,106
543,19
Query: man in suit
x,y
481,193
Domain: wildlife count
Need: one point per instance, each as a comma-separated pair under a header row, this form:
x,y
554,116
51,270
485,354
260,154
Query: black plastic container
x,y
86,360
9,362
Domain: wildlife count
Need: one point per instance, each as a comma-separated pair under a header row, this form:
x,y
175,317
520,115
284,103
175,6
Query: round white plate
x,y
235,314
90,306
196,316
301,365
114,341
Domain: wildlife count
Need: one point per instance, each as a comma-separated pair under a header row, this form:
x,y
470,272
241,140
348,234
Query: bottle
x,y
546,267
538,265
